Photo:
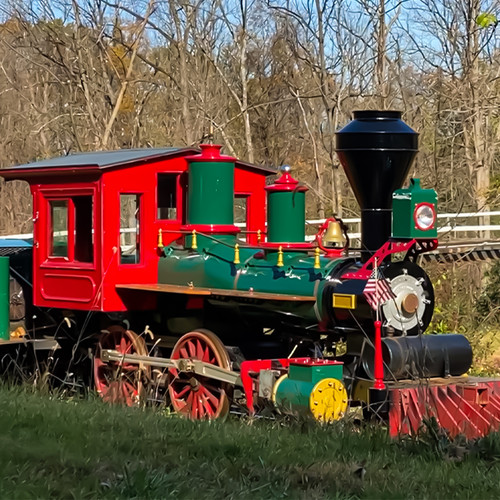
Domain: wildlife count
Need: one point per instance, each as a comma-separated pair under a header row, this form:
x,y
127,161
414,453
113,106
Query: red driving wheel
x,y
115,382
192,395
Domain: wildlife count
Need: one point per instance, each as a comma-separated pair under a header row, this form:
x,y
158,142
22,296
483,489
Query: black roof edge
x,y
253,166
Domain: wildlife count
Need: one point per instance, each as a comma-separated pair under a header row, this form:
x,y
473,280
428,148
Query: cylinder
x,y
4,299
292,395
286,210
211,187
314,388
421,356
325,400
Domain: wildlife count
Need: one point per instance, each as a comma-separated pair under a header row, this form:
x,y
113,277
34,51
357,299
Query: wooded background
x,y
271,80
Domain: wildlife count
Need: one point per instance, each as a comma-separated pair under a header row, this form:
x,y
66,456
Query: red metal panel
x,y
250,369
472,406
471,409
251,184
494,405
466,421
416,409
395,415
68,287
140,181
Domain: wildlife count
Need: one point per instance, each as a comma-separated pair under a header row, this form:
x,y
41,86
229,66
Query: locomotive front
x,y
285,296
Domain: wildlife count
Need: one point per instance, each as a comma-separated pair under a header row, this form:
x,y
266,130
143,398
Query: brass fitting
x,y
317,263
280,257
236,254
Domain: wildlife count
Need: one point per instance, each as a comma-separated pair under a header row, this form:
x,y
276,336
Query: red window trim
x,y
179,197
68,262
141,263
248,197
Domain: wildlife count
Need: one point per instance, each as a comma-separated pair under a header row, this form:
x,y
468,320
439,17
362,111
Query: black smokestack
x,y
376,150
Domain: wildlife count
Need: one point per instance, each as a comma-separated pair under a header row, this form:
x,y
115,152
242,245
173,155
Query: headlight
x,y
425,216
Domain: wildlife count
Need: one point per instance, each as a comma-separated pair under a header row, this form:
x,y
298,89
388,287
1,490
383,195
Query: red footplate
x,y
469,406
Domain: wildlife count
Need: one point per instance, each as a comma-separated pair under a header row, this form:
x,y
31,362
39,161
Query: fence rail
x,y
451,223
447,223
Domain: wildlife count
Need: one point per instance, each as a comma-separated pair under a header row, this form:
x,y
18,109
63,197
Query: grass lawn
x,y
85,449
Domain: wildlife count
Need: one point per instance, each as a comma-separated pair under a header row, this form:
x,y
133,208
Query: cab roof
x,y
96,161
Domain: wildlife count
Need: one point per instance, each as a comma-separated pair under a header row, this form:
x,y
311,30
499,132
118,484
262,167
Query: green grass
x,y
85,449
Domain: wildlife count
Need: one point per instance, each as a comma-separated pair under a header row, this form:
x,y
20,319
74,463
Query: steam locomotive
x,y
251,317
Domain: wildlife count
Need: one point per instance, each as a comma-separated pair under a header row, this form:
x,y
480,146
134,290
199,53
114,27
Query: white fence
x,y
456,225
448,224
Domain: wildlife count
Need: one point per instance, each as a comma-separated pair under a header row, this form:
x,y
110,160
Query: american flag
x,y
377,290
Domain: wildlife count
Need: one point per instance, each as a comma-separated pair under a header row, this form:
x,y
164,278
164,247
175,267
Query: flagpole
x,y
378,370
377,309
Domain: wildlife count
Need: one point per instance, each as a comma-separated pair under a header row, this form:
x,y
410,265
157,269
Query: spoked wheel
x,y
115,382
17,306
194,396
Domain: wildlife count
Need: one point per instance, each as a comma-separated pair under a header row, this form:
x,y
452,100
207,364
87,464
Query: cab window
x,y
166,195
71,234
130,228
241,211
59,226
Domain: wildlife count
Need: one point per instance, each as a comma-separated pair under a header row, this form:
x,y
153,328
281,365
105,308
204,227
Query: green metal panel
x,y
4,298
314,374
212,266
296,277
404,202
294,394
207,241
211,187
286,216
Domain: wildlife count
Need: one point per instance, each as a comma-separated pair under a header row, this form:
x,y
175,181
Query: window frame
x,y
140,219
179,196
67,195
51,242
247,197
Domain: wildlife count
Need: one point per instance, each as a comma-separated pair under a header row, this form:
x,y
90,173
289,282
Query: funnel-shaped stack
x,y
376,150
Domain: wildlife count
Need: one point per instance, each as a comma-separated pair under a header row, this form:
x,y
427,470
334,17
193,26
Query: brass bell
x,y
333,236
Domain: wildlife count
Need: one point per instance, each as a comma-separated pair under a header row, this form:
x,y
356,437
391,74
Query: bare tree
x,y
458,55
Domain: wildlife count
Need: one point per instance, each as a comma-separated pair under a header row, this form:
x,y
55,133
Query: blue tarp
x,y
12,243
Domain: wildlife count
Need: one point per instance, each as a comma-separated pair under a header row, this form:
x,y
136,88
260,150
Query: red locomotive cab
x,y
97,217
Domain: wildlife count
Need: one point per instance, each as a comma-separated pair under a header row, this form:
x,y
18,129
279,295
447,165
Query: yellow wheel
x,y
328,400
